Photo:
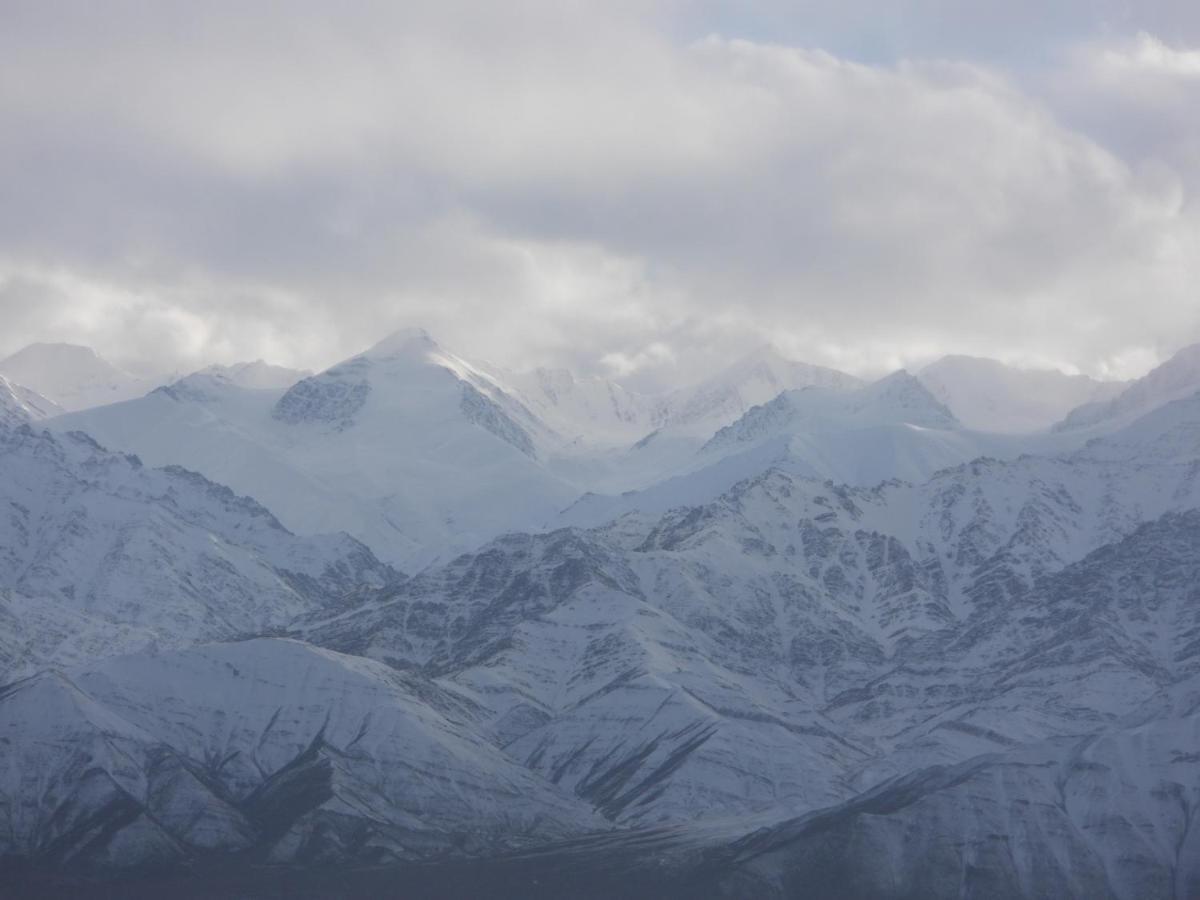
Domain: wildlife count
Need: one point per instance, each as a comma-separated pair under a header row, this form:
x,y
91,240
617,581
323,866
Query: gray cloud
x,y
625,188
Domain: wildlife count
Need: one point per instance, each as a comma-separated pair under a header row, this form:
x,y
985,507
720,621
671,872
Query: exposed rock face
x,y
332,398
481,411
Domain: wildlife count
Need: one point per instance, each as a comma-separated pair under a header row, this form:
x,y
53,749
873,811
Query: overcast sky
x,y
639,189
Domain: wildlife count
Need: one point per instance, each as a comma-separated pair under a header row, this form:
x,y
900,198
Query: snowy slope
x,y
590,410
20,405
72,376
1166,434
267,746
36,632
987,395
1104,815
93,544
1177,378
407,447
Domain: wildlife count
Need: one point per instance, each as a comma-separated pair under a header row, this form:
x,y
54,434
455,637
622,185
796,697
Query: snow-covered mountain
x,y
849,646
72,376
774,649
275,747
893,428
987,395
410,449
898,399
804,647
95,547
1177,378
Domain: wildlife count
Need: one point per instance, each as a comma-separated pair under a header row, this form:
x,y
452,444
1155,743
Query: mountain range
x,y
416,622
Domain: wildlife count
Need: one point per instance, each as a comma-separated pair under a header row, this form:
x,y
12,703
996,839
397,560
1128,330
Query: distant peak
x,y
62,347
762,353
955,361
901,383
405,340
900,377
767,348
58,351
903,390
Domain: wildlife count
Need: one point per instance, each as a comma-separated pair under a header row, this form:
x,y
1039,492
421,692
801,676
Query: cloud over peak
x,y
624,188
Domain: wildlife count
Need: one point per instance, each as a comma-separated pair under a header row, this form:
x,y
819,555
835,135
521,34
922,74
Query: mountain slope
x,y
269,748
161,553
1175,379
987,395
19,405
590,410
1047,773
1106,815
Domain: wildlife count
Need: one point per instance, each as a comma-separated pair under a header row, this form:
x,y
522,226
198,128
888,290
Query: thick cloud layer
x,y
630,188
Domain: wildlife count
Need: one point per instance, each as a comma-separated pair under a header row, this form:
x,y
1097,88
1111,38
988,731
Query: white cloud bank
x,y
586,184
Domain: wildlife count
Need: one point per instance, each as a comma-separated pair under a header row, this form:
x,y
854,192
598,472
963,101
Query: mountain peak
x,y
41,358
767,357
403,342
901,396
56,349
900,383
